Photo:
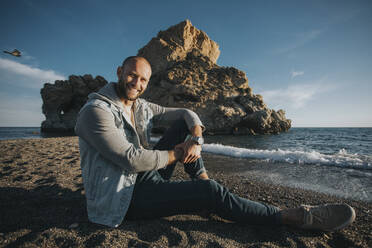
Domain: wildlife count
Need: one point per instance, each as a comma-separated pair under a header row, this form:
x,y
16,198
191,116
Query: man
x,y
124,179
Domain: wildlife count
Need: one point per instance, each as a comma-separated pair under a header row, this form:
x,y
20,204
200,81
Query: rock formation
x,y
185,74
173,45
63,100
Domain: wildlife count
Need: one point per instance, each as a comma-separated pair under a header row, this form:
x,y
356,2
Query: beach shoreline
x,y
43,205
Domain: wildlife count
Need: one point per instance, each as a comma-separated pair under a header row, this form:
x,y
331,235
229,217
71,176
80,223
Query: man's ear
x,y
118,72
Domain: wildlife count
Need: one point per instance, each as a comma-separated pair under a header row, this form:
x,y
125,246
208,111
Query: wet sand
x,y
42,204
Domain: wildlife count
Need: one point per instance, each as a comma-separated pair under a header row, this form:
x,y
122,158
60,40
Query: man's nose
x,y
136,82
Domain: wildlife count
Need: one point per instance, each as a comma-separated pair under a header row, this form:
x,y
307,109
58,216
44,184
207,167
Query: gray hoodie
x,y
112,152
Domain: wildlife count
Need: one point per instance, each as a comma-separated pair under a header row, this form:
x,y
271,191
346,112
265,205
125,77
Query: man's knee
x,y
173,136
210,186
180,125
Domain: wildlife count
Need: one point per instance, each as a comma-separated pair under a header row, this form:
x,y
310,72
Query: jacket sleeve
x,y
96,126
166,115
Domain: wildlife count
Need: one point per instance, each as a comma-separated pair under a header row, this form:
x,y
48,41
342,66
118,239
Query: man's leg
x,y
154,196
158,198
175,135
153,199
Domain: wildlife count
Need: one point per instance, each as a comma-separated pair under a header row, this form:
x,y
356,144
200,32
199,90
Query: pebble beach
x,y
42,204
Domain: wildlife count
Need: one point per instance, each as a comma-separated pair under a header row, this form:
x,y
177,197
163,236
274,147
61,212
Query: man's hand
x,y
191,151
174,155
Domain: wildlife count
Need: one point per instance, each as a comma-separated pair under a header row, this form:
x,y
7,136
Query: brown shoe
x,y
328,217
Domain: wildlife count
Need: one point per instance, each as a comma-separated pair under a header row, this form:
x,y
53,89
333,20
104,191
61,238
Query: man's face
x,y
133,79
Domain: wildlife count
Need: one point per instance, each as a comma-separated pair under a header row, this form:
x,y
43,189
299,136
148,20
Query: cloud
x,y
295,96
296,73
299,40
20,111
336,16
26,75
20,101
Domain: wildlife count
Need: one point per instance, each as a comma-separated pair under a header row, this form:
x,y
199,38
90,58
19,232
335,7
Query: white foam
x,y
342,158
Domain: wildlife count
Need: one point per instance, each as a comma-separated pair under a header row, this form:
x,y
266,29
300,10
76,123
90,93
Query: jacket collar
x,y
108,94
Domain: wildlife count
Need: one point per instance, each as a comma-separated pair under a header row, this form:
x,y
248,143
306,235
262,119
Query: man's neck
x,y
127,103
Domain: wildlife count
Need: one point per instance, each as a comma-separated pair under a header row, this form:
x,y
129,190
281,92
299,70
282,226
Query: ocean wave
x,y
342,158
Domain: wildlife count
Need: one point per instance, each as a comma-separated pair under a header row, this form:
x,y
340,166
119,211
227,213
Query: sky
x,y
311,58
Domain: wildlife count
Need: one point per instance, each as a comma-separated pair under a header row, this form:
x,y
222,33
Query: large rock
x,y
185,74
63,100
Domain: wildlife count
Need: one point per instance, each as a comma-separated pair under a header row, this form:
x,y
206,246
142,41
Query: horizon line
x,y
283,132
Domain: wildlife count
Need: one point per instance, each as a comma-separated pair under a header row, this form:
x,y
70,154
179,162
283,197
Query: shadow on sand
x,y
47,211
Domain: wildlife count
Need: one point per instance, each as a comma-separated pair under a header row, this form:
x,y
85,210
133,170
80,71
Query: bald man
x,y
125,179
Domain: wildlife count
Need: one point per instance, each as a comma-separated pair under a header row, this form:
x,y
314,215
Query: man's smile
x,y
132,89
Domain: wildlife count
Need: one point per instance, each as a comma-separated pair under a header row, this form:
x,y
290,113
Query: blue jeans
x,y
155,196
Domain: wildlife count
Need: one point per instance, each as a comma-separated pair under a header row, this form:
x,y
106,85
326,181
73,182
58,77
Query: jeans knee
x,y
173,136
180,125
211,186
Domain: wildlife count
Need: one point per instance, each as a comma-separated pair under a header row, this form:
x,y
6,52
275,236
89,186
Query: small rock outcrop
x,y
63,100
185,74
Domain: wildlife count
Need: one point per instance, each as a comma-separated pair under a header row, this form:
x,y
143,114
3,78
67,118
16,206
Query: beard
x,y
132,98
124,91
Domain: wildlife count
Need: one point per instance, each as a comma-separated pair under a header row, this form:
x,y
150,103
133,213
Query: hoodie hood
x,y
107,94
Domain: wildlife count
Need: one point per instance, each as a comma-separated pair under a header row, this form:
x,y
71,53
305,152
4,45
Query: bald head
x,y
133,59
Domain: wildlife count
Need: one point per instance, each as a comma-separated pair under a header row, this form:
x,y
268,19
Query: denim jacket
x,y
112,152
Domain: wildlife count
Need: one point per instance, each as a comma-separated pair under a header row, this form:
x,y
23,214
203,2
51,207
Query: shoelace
x,y
314,215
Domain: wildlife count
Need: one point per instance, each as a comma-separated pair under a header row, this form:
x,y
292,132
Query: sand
x,y
42,204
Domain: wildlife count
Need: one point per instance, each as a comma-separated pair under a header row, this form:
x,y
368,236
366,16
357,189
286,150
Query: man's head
x,y
133,77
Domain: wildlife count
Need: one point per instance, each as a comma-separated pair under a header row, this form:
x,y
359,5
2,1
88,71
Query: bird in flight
x,y
14,53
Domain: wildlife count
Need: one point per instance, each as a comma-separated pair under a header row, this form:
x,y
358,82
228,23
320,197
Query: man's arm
x,y
174,156
196,131
191,151
166,115
97,127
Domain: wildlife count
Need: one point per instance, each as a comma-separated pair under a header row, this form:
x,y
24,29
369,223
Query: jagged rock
x,y
175,43
185,74
63,100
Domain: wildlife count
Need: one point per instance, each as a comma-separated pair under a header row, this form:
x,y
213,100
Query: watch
x,y
198,139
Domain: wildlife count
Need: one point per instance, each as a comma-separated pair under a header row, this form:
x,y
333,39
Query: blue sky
x,y
311,58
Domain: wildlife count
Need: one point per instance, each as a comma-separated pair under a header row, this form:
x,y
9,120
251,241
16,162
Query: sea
x,y
336,161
